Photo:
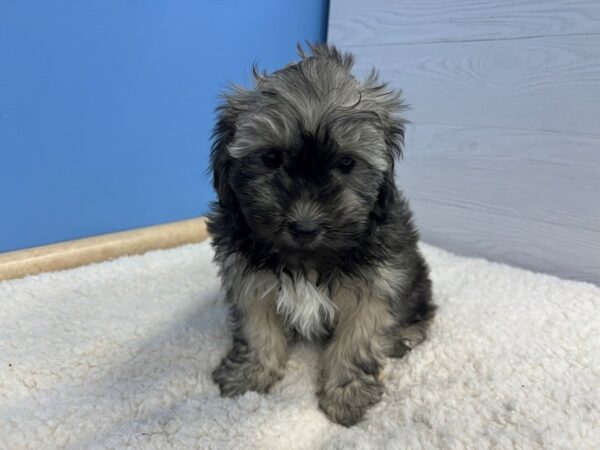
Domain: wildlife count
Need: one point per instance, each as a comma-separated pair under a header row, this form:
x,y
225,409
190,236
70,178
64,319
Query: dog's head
x,y
307,156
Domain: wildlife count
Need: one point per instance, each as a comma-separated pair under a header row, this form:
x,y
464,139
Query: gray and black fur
x,y
311,234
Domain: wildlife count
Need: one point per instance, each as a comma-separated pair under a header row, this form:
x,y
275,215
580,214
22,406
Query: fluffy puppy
x,y
312,237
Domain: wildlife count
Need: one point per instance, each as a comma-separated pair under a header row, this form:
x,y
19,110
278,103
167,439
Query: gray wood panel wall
x,y
502,159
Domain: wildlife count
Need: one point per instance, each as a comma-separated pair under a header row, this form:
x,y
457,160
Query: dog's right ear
x,y
233,104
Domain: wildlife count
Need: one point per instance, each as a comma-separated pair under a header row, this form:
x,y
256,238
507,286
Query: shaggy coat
x,y
312,237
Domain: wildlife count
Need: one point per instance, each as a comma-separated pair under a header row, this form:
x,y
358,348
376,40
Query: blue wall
x,y
106,106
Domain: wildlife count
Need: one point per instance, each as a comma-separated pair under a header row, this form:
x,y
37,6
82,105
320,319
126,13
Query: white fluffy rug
x,y
119,354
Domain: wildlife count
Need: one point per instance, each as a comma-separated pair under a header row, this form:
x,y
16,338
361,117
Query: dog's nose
x,y
304,230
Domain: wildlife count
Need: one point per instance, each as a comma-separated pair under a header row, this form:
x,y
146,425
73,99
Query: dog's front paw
x,y
241,373
346,404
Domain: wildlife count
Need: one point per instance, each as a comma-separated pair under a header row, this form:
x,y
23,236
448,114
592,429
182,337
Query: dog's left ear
x,y
234,103
393,128
394,137
388,105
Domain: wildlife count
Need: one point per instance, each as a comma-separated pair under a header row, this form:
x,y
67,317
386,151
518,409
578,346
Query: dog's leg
x,y
415,312
353,358
257,358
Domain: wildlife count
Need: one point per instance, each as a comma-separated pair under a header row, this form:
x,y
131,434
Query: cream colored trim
x,y
66,255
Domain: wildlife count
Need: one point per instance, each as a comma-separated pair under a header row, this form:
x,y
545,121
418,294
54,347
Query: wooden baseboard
x,y
66,255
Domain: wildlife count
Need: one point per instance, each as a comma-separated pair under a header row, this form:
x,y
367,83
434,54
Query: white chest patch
x,y
304,305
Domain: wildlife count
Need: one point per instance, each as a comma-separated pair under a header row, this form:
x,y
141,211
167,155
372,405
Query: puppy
x,y
312,237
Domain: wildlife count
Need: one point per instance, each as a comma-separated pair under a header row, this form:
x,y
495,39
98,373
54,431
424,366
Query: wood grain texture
x,y
544,84
503,157
521,197
385,22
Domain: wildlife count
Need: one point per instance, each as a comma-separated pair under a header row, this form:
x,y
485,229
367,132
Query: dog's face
x,y
307,156
308,192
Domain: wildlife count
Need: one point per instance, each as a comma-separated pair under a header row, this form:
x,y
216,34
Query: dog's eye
x,y
272,158
345,164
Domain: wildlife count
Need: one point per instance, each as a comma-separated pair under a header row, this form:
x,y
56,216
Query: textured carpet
x,y
120,354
